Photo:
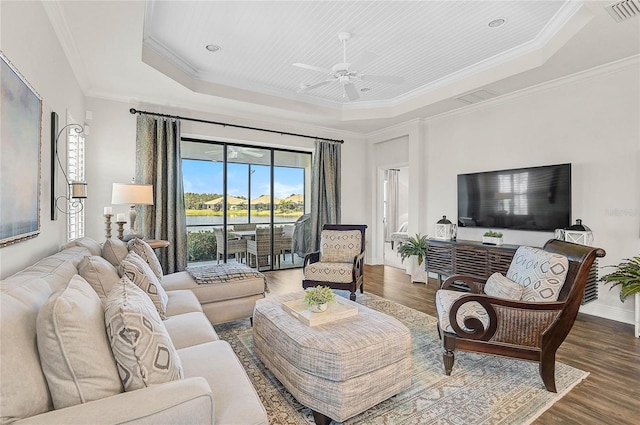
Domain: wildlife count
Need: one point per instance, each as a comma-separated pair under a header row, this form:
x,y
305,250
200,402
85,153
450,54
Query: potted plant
x,y
415,248
318,297
492,238
627,275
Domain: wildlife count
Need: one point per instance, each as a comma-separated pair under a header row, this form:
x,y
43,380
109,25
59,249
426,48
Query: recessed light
x,y
497,23
365,89
213,48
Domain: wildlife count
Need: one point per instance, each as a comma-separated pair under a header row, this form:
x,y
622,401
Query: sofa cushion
x,y
182,301
214,292
139,272
143,249
139,340
500,286
100,274
189,329
74,351
114,251
541,273
329,272
340,246
90,244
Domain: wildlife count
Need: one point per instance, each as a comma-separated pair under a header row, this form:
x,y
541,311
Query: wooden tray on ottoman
x,y
337,310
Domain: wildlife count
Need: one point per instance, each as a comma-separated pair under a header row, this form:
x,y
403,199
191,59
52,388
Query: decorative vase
x,y
490,240
418,273
318,308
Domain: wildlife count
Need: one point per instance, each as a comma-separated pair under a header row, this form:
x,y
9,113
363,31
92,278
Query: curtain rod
x,y
224,124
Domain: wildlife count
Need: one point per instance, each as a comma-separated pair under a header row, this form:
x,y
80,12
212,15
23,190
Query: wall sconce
x,y
132,194
76,190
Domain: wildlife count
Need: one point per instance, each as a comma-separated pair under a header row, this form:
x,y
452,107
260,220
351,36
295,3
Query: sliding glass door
x,y
246,204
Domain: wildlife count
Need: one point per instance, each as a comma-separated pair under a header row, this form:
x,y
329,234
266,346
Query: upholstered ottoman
x,y
338,369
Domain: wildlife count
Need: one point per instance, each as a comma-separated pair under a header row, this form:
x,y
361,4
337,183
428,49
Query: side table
x,y
157,243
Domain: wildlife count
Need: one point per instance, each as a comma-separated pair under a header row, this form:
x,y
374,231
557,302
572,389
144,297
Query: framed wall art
x,y
20,124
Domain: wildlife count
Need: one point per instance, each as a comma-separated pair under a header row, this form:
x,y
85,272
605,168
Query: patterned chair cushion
x,y
139,272
329,272
143,249
446,298
340,246
500,286
541,273
139,340
73,346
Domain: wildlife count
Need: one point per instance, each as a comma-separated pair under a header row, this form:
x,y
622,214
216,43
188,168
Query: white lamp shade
x,y
132,194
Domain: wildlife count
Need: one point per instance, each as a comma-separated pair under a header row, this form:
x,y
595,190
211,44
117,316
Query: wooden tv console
x,y
473,258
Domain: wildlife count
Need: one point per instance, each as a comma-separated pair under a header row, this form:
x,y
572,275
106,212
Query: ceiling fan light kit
x,y
345,73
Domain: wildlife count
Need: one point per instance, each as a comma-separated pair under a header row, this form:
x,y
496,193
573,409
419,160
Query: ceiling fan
x,y
346,73
237,152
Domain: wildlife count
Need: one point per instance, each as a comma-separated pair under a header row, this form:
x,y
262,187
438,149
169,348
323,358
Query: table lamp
x,y
132,194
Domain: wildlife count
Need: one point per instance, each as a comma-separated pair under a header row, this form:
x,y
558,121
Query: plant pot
x,y
637,300
490,240
318,308
418,272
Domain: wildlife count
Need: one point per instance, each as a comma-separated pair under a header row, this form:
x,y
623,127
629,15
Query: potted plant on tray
x,y
318,297
492,238
415,248
627,275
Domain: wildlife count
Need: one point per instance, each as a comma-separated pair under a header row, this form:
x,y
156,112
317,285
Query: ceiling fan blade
x,y
304,87
390,79
312,68
351,91
363,59
251,153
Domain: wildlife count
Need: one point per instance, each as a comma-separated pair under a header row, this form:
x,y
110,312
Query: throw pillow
x,y
114,251
502,287
100,274
139,272
340,246
143,249
73,346
88,243
139,340
541,273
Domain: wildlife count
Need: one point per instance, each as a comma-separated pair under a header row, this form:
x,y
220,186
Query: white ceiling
x,y
154,52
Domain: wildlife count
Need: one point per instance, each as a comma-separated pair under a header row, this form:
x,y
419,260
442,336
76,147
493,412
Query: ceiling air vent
x,y
476,96
623,10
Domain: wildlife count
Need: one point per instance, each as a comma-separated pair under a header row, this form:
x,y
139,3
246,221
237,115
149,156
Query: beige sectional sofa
x,y
214,388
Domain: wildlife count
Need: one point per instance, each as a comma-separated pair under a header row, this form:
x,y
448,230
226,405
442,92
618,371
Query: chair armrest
x,y
312,257
545,313
476,285
179,402
358,266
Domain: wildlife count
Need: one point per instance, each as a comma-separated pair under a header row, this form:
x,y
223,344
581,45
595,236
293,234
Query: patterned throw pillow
x,y
73,346
100,274
541,273
143,249
472,309
340,246
502,287
139,272
114,251
139,340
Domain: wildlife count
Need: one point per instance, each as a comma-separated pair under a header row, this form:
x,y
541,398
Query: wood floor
x,y
604,348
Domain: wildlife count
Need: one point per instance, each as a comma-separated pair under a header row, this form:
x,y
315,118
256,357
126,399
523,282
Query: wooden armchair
x,y
340,262
529,330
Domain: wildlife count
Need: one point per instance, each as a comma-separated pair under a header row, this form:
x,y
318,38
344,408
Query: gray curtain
x,y
325,188
158,163
392,204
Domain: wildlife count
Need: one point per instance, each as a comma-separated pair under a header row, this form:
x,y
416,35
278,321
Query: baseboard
x,y
608,312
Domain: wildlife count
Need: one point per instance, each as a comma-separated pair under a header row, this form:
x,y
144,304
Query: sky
x,y
206,177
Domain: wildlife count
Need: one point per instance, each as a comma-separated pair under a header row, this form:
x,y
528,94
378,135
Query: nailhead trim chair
x,y
340,262
530,330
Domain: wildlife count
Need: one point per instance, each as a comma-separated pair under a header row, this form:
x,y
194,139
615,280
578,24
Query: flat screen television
x,y
534,198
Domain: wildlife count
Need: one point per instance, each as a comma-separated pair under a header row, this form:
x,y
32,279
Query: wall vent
x,y
623,10
476,96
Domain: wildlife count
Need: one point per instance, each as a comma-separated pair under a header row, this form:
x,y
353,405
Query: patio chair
x,y
526,314
234,246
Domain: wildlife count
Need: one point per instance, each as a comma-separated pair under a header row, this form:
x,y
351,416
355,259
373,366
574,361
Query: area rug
x,y
482,389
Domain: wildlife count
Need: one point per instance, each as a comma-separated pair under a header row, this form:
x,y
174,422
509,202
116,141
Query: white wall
x,y
590,120
111,154
28,40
